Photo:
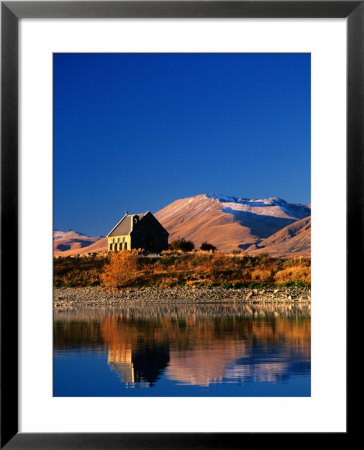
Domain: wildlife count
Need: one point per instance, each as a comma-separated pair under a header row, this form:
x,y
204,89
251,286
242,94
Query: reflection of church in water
x,y
139,365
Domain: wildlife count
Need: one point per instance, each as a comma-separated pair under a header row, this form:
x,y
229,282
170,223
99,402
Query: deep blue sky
x,y
138,131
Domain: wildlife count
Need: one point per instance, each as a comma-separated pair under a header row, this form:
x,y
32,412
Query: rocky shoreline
x,y
71,298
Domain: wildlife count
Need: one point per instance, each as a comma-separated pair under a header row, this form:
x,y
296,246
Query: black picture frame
x,y
11,12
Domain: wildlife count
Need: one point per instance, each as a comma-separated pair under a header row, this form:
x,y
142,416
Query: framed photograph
x,y
162,163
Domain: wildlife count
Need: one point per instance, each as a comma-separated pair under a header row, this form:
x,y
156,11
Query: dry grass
x,y
293,274
77,271
177,268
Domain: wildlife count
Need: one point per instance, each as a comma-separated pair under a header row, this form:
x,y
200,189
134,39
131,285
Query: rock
x,y
72,298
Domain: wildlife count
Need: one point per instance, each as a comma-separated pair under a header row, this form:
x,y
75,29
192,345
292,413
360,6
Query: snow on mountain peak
x,y
273,206
242,200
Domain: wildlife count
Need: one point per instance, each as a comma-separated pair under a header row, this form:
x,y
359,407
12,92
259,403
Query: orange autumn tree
x,y
121,270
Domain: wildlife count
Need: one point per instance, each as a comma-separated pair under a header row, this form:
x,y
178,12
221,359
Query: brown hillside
x,y
222,223
199,219
293,240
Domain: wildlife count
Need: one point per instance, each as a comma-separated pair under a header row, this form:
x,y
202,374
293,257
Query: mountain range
x,y
71,242
256,226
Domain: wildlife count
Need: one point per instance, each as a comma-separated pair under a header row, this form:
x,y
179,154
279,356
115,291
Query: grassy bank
x,y
127,269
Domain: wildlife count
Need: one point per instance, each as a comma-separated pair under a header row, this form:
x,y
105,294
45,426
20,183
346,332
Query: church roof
x,y
125,226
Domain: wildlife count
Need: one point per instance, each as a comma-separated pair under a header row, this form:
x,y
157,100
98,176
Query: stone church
x,y
136,231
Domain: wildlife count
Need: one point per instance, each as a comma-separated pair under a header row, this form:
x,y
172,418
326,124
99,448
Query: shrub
x,y
121,270
182,244
207,247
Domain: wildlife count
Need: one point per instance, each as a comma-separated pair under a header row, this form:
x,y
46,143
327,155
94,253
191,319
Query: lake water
x,y
183,350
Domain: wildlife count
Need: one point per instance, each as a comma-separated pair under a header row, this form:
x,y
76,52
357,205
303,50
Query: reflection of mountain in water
x,y
190,347
268,365
265,351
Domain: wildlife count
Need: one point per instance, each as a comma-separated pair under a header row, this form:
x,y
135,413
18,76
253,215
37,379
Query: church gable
x,y
125,226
